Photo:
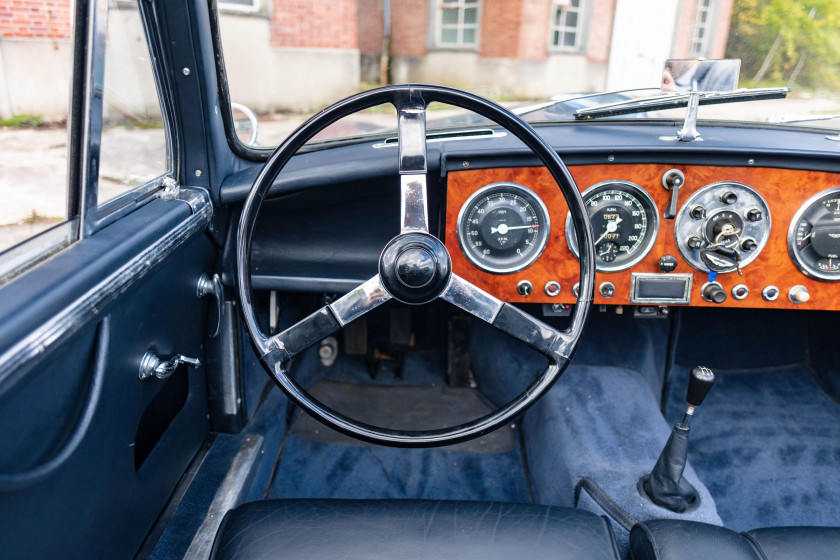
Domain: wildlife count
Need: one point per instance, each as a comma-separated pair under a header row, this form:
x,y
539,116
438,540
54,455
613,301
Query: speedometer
x,y
625,223
814,237
503,227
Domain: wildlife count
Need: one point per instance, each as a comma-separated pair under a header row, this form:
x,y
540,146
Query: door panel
x,y
77,327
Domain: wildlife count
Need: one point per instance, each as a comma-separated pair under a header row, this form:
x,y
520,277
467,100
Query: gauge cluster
x,y
734,236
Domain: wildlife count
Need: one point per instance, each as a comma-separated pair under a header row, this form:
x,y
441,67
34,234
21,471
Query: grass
x,y
23,120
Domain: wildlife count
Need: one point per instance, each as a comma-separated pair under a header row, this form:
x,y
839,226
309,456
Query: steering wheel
x,y
415,267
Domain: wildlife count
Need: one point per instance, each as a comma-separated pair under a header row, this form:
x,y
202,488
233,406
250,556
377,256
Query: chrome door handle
x,y
208,285
152,366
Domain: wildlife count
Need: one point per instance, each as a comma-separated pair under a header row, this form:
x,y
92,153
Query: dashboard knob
x,y
552,288
799,294
668,263
524,288
607,289
698,212
749,245
754,215
694,242
729,197
713,293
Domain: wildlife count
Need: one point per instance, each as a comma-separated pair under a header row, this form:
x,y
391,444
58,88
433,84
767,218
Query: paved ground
x,y
33,164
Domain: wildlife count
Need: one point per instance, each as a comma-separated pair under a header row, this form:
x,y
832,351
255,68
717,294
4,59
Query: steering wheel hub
x,y
415,268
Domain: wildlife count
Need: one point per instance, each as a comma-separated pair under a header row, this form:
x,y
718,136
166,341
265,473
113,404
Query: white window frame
x,y
461,5
701,43
251,7
562,30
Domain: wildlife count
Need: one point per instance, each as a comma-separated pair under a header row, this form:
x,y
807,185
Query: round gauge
x,y
624,220
814,237
722,227
503,227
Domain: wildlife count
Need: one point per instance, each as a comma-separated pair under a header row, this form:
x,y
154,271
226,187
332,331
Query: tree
x,y
782,41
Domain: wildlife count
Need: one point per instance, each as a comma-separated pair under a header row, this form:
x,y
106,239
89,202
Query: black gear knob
x,y
699,383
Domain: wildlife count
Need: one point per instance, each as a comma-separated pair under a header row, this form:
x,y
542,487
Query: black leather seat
x,y
410,529
664,539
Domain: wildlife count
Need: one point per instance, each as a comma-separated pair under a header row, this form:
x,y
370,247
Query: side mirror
x,y
245,124
699,75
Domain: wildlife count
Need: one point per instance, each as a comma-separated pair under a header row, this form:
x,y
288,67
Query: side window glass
x,y
35,76
134,149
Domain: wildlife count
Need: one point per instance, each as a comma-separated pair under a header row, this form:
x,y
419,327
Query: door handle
x,y
208,285
152,366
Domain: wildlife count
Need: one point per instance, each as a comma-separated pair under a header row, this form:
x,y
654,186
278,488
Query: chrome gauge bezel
x,y
653,224
508,187
803,267
684,223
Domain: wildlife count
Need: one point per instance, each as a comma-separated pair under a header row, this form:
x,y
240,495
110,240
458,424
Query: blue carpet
x,y
767,444
311,469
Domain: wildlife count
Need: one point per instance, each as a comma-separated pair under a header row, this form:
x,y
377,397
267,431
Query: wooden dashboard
x,y
785,191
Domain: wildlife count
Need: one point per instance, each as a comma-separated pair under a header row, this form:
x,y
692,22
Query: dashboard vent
x,y
449,135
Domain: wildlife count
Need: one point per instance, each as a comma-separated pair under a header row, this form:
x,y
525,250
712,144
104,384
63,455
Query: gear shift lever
x,y
665,485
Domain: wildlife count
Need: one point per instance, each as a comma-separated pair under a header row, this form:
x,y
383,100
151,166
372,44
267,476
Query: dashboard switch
x,y
694,242
713,293
741,291
698,212
607,289
668,263
749,245
754,215
672,180
729,197
770,293
799,294
524,288
552,288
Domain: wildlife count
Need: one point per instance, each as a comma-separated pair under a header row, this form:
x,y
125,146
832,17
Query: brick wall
x,y
723,18
601,14
48,19
370,26
409,27
314,23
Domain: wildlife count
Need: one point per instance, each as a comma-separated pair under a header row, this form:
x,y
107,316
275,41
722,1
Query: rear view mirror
x,y
700,75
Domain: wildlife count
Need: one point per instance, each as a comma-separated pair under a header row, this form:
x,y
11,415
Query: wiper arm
x,y
677,100
553,102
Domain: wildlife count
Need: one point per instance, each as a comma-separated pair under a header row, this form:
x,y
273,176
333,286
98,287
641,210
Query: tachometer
x,y
814,236
624,220
503,227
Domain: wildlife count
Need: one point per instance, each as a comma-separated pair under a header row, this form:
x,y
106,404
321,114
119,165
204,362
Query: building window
x,y
702,28
248,6
566,24
457,23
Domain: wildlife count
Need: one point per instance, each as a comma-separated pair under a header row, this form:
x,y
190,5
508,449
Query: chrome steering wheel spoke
x,y
507,318
328,320
412,163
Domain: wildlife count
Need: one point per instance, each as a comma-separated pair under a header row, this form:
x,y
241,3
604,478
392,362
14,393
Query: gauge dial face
x,y
814,237
624,220
503,228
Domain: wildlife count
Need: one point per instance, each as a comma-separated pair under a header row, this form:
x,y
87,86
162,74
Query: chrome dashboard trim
x,y
73,317
687,277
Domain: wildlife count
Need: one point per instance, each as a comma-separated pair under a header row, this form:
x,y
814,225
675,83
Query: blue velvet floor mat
x,y
767,444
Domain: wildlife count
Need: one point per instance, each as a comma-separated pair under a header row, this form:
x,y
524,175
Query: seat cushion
x,y
664,539
408,529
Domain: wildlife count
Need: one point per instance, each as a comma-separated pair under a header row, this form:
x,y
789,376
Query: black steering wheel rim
x,y
275,352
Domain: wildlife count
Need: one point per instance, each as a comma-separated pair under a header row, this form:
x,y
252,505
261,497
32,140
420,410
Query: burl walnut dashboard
x,y
734,237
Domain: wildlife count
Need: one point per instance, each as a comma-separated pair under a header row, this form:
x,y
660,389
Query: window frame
x,y
705,42
579,30
85,216
436,19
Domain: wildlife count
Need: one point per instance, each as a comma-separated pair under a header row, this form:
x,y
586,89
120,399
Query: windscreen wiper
x,y
678,100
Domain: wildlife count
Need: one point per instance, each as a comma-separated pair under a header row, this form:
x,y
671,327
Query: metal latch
x,y
152,366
